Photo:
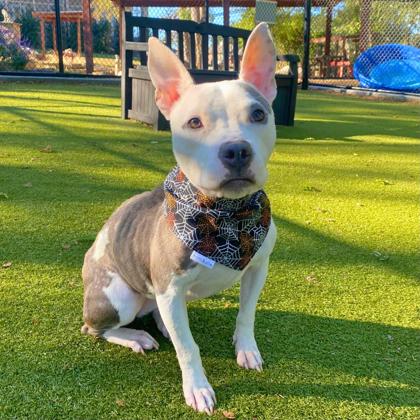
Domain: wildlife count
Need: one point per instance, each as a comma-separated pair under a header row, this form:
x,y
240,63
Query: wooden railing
x,y
210,52
199,39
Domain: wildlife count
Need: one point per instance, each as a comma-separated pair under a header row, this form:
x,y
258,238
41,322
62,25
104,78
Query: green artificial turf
x,y
338,320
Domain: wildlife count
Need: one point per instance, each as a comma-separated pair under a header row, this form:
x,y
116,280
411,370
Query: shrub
x,y
115,36
69,35
14,54
102,36
29,28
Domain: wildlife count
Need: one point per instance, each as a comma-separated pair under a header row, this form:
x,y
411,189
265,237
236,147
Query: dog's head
x,y
223,133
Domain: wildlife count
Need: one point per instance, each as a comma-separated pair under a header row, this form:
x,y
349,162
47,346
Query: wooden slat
x,y
235,54
143,55
205,51
136,46
126,63
226,53
168,40
136,99
181,45
141,116
215,53
193,54
139,73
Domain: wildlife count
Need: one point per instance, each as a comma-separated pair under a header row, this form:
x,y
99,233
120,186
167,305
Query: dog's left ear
x,y
259,62
169,76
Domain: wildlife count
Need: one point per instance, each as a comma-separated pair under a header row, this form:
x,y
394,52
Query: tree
x,y
30,28
287,32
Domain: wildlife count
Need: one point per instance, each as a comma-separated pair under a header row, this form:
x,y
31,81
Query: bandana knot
x,y
227,231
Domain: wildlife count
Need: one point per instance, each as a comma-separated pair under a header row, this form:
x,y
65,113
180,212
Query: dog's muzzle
x,y
236,155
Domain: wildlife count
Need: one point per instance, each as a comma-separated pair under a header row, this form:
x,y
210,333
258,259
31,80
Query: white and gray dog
x,y
208,226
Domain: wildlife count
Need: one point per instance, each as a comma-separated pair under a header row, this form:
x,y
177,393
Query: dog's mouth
x,y
238,183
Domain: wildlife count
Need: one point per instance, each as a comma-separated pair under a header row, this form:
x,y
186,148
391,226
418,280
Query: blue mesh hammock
x,y
389,67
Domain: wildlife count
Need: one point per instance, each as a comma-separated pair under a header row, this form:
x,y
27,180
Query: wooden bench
x,y
138,93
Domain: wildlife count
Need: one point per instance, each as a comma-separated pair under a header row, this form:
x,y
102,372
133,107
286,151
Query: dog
x,y
208,226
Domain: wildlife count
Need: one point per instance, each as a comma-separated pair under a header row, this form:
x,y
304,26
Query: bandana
x,y
226,231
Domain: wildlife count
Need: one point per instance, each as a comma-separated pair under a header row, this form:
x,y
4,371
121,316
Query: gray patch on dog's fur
x,y
257,96
169,256
142,250
98,312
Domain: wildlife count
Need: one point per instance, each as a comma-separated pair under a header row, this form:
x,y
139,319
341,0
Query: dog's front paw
x,y
199,395
247,354
250,359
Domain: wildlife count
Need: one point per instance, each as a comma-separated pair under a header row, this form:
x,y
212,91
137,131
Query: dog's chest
x,y
212,281
208,282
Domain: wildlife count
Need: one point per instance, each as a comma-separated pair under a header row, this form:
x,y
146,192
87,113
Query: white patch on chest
x,y
101,242
211,281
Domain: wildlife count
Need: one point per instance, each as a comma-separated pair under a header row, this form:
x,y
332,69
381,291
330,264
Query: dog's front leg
x,y
247,354
173,309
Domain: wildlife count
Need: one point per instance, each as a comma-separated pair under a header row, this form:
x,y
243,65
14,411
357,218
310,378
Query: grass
x,y
337,323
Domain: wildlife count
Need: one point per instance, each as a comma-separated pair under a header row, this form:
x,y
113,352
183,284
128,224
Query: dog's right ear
x,y
169,76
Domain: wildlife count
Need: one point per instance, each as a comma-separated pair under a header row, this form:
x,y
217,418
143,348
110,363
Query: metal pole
x,y
307,40
206,5
58,36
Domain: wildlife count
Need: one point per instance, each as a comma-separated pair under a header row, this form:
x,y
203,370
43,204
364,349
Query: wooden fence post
x,y
87,36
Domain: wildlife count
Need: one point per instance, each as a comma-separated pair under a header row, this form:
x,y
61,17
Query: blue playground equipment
x,y
389,67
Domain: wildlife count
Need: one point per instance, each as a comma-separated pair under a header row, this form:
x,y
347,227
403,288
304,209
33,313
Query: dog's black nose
x,y
235,154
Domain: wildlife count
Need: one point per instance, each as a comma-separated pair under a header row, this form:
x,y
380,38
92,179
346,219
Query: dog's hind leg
x,y
109,304
137,340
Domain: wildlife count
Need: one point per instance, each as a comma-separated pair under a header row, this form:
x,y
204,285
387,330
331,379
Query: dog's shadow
x,y
327,357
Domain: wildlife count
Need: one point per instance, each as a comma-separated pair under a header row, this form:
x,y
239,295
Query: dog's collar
x,y
223,230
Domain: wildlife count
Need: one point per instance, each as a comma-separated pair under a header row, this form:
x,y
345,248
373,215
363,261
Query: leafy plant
x,y
30,28
102,36
287,32
14,54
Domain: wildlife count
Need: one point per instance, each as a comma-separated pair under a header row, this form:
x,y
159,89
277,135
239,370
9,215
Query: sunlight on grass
x,y
338,321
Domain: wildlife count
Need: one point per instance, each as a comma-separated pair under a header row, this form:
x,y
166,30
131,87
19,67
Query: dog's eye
x,y
258,115
195,123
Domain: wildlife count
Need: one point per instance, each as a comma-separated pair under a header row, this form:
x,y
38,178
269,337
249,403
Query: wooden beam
x,y
226,17
79,37
54,33
65,16
328,22
42,27
87,36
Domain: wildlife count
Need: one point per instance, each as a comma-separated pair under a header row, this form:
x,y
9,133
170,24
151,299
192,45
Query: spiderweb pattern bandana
x,y
226,231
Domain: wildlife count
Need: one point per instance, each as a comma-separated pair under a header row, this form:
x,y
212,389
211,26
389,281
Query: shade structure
x,y
50,17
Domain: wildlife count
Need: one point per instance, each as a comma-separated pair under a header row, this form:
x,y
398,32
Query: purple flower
x,y
14,53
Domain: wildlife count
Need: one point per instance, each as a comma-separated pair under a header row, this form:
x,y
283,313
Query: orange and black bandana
x,y
226,231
